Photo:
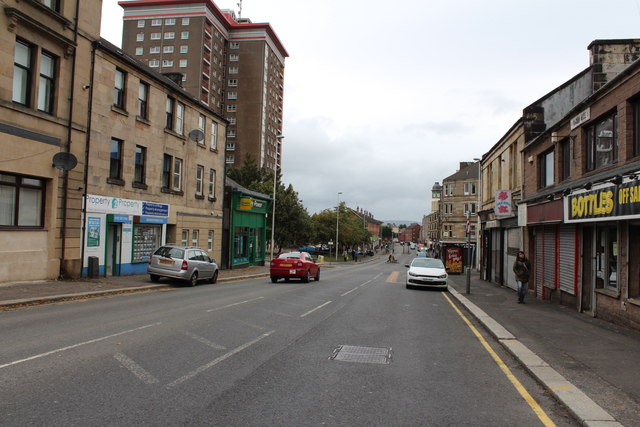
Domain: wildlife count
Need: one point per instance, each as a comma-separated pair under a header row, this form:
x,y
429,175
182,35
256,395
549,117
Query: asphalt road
x,y
354,349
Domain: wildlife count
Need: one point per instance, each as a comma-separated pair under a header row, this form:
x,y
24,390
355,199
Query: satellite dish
x,y
196,135
64,161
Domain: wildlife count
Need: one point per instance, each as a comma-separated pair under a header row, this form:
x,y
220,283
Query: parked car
x,y
427,272
294,265
182,262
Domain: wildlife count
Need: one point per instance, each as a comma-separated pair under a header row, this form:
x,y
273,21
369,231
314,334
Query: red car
x,y
297,265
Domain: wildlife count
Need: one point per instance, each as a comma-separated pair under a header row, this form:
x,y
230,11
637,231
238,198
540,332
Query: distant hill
x,y
399,222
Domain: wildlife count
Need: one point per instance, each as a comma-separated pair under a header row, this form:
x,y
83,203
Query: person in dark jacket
x,y
522,270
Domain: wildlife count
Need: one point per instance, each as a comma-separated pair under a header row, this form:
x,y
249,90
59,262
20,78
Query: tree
x,y
387,232
351,230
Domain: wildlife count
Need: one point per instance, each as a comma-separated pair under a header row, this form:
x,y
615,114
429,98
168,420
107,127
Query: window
x,y
202,124
156,22
448,209
52,4
232,95
141,23
214,135
230,159
210,240
232,108
167,49
176,183
115,159
169,110
139,165
234,45
170,21
194,237
46,85
606,259
154,63
167,63
231,133
546,169
448,230
169,35
143,100
139,51
602,142
234,57
212,184
185,21
183,63
469,209
119,89
140,37
184,49
233,70
184,35
156,36
180,118
154,49
231,146
636,128
233,82
469,188
232,120
448,189
185,237
565,153
199,180
21,201
22,73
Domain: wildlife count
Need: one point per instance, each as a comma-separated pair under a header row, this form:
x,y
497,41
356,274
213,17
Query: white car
x,y
426,272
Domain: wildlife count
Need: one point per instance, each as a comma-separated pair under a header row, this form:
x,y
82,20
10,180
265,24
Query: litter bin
x,y
94,267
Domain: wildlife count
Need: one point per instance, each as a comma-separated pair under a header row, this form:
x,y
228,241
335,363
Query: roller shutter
x,y
539,264
550,257
567,259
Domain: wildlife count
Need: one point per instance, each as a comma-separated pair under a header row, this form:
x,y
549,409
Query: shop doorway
x,y
586,297
113,250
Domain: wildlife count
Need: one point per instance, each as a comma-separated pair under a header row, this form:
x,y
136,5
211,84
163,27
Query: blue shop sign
x,y
153,220
155,209
124,219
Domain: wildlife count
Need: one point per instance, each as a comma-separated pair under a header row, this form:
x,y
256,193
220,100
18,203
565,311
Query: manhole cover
x,y
352,353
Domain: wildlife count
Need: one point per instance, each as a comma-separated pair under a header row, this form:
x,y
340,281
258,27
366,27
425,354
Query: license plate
x,y
292,272
286,265
166,261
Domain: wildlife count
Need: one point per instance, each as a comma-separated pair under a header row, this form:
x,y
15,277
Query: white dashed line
x,y
234,304
317,308
135,369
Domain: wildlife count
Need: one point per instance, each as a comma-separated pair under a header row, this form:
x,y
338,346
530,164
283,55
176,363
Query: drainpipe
x,y
87,146
67,148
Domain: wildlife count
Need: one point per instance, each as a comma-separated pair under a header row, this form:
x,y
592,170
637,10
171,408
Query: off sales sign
x,y
608,203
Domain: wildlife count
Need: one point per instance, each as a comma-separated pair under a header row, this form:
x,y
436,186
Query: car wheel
x,y
214,278
274,279
155,278
317,278
408,287
306,278
193,281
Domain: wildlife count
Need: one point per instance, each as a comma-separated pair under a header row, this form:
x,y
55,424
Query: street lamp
x,y
273,213
468,287
337,223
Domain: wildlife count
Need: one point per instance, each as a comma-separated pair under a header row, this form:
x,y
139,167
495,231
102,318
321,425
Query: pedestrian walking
x,y
522,270
345,254
355,255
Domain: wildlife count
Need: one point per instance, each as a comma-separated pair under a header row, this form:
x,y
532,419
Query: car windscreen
x,y
427,263
169,252
295,255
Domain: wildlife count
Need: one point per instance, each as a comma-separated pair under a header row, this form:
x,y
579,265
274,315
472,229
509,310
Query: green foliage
x,y
351,228
387,232
292,222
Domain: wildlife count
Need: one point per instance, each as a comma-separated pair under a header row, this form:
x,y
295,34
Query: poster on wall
x,y
93,232
453,260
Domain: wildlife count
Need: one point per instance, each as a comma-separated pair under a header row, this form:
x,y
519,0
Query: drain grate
x,y
352,353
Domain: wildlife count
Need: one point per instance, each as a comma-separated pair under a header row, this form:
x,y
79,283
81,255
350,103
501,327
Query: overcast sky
x,y
382,99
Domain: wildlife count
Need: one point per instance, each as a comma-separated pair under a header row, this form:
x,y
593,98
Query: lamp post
x,y
468,230
337,223
273,212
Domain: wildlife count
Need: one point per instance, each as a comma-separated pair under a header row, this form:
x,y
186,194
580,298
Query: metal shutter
x,y
567,258
550,257
539,260
513,242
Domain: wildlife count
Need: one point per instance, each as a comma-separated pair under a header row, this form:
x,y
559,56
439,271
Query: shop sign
x,y
117,205
251,204
93,231
453,259
246,204
584,116
608,203
504,207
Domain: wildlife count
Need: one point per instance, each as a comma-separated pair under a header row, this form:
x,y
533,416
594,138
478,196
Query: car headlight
x,y
412,274
442,276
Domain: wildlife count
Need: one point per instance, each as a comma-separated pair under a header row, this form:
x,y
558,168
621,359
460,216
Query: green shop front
x,y
245,226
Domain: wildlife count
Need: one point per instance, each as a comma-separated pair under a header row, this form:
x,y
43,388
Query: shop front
x,y
121,234
245,229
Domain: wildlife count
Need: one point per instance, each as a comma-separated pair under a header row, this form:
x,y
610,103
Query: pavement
x,y
589,365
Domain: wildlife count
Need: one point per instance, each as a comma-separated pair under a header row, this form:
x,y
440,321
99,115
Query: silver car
x,y
427,272
182,262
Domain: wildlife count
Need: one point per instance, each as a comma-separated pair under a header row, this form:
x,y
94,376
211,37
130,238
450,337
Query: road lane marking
x,y
48,353
205,341
214,362
544,418
317,308
135,369
392,277
234,304
348,292
378,275
365,283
